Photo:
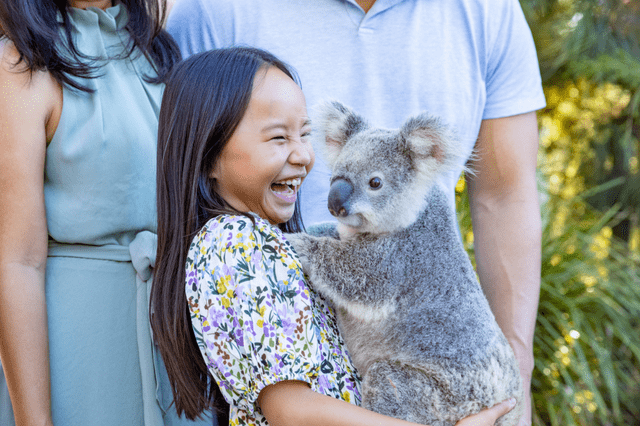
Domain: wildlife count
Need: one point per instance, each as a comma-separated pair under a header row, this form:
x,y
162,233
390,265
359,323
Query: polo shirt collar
x,y
378,7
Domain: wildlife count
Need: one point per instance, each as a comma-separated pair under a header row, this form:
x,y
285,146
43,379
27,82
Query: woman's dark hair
x,y
205,98
33,27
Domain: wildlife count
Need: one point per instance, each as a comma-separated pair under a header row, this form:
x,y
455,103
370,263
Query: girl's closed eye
x,y
306,129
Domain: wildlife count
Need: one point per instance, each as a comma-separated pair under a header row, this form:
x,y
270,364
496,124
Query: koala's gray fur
x,y
411,311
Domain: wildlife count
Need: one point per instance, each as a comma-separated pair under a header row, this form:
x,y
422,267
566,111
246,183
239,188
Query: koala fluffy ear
x,y
337,123
429,140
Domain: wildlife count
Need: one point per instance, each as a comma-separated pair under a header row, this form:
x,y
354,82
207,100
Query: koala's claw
x,y
304,261
299,243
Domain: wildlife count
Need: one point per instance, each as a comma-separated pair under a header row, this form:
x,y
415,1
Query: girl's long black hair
x,y
33,27
205,98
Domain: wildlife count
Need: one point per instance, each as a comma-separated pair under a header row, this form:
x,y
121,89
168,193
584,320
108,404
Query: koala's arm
x,y
347,271
507,229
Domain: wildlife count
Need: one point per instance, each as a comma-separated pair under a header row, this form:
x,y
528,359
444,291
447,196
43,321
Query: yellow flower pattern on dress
x,y
257,321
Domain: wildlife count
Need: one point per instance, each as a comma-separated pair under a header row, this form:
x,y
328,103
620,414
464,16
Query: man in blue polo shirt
x,y
471,62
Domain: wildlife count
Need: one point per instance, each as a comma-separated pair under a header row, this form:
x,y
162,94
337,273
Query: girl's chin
x,y
279,215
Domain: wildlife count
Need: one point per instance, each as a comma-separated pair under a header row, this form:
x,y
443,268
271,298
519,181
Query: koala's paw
x,y
300,243
324,229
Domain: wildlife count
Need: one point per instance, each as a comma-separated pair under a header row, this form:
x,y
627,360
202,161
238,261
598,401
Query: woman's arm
x,y
30,106
294,403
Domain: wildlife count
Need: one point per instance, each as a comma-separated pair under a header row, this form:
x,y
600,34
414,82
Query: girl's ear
x,y
337,123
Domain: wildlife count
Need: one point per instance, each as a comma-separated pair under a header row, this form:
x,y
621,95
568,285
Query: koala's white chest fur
x,y
359,332
370,314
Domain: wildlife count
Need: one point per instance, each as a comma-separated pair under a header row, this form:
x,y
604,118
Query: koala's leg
x,y
380,391
419,395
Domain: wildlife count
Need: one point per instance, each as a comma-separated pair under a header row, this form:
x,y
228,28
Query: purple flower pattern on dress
x,y
257,321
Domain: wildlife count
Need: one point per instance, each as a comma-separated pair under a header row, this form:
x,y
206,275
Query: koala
x,y
410,308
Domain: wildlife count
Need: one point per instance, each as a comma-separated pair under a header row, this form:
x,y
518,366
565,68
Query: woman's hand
x,y
488,416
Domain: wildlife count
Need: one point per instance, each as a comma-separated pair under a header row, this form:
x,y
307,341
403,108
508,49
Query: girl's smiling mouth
x,y
287,189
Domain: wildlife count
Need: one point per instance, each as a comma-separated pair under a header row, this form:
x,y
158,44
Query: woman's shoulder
x,y
13,68
14,73
9,55
22,89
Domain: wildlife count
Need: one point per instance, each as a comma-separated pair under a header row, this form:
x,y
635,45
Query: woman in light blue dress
x,y
80,91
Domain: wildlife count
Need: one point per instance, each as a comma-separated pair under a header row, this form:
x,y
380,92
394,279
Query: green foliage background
x,y
587,340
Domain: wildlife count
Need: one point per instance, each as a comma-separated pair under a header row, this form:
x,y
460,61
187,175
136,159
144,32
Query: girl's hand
x,y
488,416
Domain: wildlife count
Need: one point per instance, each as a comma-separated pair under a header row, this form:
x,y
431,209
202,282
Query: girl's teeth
x,y
294,182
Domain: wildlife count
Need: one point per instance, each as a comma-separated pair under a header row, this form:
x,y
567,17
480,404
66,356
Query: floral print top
x,y
257,321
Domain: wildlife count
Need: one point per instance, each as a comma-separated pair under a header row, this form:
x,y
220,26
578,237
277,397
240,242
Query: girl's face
x,y
269,154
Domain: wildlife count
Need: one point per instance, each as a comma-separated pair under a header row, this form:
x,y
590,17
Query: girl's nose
x,y
302,153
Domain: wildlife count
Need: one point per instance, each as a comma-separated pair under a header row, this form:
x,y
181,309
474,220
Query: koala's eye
x,y
375,183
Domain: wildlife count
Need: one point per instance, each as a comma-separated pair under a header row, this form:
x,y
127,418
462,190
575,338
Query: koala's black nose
x,y
339,195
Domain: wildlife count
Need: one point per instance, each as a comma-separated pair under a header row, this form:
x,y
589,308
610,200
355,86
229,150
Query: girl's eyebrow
x,y
274,126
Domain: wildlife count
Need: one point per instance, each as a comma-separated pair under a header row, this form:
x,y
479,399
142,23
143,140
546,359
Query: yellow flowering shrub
x,y
587,350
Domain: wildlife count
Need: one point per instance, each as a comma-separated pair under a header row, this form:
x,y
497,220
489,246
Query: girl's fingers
x,y
503,408
488,416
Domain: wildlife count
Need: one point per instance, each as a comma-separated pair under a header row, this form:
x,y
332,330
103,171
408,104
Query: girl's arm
x,y
294,403
30,105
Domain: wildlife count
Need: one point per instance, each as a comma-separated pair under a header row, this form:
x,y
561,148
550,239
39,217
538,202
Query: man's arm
x,y
505,213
